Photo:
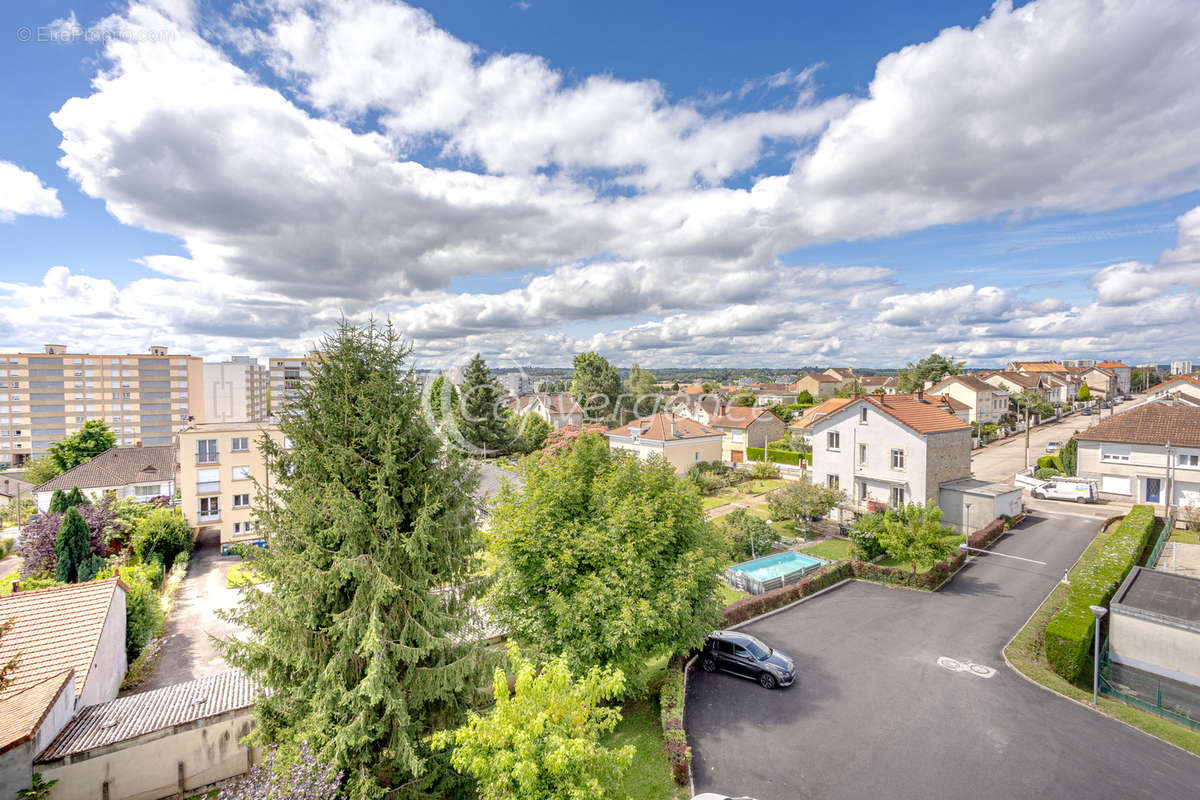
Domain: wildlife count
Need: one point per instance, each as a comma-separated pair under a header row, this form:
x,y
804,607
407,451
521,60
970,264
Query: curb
x,y
774,611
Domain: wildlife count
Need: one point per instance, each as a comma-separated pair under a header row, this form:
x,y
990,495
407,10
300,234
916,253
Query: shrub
x,y
161,536
778,456
1068,636
1046,473
898,576
1046,462
670,703
763,471
863,537
143,614
36,546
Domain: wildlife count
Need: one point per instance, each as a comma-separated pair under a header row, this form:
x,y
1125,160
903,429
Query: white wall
x,y
108,664
167,488
1154,646
881,433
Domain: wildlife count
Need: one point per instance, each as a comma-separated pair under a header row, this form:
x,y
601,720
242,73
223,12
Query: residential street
x,y
874,714
1001,460
188,651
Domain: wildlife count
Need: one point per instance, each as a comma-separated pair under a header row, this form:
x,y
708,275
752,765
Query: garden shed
x,y
969,503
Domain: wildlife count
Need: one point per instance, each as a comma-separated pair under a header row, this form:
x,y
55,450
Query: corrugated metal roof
x,y
138,714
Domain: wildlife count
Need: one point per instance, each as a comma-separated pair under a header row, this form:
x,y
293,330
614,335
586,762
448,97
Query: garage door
x,y
1187,494
1114,484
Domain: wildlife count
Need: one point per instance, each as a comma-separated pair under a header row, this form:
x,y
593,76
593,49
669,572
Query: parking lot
x,y
904,694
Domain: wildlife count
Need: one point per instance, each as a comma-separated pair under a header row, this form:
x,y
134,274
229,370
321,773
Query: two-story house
x,y
819,386
978,395
557,408
746,427
1148,454
888,450
879,384
802,426
1124,374
1016,382
1102,383
682,442
221,464
699,408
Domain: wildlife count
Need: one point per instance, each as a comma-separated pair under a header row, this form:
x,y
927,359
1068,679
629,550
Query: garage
x,y
969,504
1115,484
1187,495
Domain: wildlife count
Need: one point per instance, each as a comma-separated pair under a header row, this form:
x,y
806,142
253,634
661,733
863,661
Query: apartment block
x,y
235,390
221,466
144,398
288,374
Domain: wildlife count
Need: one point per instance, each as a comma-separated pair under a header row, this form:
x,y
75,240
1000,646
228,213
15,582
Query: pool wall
x,y
740,580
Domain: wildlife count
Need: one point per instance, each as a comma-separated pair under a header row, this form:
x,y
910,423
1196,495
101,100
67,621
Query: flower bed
x,y
670,701
1068,636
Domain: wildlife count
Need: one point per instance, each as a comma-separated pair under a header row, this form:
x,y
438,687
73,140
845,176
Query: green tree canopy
x,y
58,502
596,386
92,439
641,395
361,625
605,559
40,470
443,398
542,740
915,534
805,398
71,546
75,497
531,433
161,536
749,536
1034,401
802,500
480,417
1085,392
744,399
933,367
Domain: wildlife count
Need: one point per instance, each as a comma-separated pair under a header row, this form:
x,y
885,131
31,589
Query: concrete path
x,y
1181,558
188,652
887,704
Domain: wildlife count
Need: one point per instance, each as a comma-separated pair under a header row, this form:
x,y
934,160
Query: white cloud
x,y
1131,282
22,192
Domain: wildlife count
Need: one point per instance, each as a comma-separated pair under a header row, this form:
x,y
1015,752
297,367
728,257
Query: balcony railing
x,y
206,458
210,516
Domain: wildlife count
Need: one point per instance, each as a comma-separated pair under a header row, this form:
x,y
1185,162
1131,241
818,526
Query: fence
x,y
740,580
1174,700
1156,551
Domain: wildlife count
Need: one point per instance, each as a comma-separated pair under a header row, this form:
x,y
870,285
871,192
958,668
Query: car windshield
x,y
758,649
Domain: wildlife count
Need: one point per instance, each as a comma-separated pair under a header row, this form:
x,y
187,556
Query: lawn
x,y
730,595
239,575
719,499
1185,537
758,487
829,549
1025,654
649,776
7,581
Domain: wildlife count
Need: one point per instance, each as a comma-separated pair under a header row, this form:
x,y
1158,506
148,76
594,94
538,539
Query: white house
x,y
1185,385
557,408
141,473
1148,454
887,450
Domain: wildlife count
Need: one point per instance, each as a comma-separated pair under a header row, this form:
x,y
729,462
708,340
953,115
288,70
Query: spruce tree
x,y
360,627
58,502
71,546
479,416
76,498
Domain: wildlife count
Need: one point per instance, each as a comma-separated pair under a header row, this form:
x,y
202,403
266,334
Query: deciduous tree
x,y
92,439
604,558
915,534
749,536
40,470
933,368
541,741
595,386
802,500
360,627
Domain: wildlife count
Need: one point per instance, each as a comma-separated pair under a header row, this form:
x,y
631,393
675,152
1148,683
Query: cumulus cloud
x,y
1132,282
23,192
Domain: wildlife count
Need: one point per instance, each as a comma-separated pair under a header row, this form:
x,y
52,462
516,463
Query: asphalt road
x,y
1003,459
189,652
873,714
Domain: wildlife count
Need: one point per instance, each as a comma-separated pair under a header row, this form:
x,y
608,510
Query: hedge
x,y
670,704
901,576
758,604
778,456
1068,636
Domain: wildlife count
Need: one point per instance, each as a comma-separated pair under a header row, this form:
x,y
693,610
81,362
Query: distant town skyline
x,y
722,186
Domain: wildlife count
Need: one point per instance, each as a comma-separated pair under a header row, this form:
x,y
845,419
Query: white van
x,y
1067,489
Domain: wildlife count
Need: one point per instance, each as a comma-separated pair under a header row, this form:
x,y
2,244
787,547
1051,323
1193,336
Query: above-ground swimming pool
x,y
771,572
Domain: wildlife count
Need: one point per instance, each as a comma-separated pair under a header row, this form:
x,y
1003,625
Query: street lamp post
x,y
1098,612
967,527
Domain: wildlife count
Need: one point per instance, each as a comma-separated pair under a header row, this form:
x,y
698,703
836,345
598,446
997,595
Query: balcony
x,y
206,458
209,516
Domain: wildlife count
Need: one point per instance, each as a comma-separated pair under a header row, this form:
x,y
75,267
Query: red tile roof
x,y
666,427
1110,364
1039,366
740,417
826,408
1192,379
1152,423
54,629
923,416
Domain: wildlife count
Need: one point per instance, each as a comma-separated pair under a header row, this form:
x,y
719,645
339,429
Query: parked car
x,y
1053,446
1087,412
1127,397
1078,490
743,655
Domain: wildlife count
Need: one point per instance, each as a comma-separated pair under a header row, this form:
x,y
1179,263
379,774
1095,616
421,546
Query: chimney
x,y
920,395
672,416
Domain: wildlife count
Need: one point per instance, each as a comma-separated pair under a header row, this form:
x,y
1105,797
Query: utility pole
x,y
1027,432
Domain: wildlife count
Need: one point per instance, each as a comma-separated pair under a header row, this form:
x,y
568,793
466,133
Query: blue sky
x,y
778,184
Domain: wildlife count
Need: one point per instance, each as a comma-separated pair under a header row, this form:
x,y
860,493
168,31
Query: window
x,y
862,491
833,481
153,490
241,500
862,455
287,443
697,455
208,481
736,437
862,416
206,451
1118,453
1189,460
210,508
239,444
833,441
897,497
897,458
241,473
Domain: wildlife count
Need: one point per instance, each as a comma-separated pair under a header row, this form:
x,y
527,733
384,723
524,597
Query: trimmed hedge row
x,y
899,576
1068,636
778,456
758,604
670,704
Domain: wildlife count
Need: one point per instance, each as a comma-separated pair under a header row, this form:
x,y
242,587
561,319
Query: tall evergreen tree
x,y
360,625
75,498
596,385
58,502
71,546
443,397
479,417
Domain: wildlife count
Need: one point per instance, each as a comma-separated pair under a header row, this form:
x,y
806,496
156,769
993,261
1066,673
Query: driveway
x,y
873,714
188,652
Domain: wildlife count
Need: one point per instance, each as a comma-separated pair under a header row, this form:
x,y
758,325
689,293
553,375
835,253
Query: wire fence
x,y
1168,698
1156,551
